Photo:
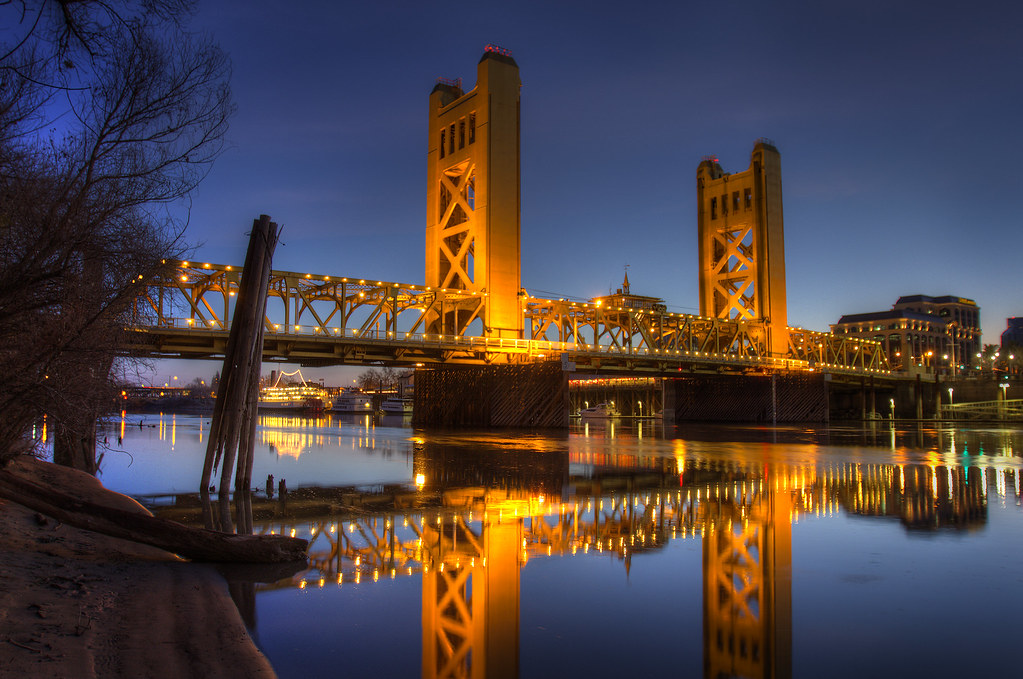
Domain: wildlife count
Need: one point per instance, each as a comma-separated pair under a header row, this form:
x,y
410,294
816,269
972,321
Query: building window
x,y
472,128
443,142
748,199
724,204
735,201
461,133
451,140
713,208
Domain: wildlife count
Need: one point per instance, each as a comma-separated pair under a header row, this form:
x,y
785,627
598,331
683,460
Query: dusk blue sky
x,y
898,123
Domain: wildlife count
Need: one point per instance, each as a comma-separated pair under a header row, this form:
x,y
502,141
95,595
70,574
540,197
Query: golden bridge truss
x,y
329,320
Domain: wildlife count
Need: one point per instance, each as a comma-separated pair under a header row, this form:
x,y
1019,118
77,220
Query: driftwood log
x,y
198,544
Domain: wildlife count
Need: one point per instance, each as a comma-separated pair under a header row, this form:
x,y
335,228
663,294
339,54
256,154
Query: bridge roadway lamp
x,y
950,395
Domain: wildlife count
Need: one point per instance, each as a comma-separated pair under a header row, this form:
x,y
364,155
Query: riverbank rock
x,y
78,604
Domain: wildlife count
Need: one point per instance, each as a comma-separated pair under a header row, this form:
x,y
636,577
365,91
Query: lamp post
x,y
1001,407
952,346
950,412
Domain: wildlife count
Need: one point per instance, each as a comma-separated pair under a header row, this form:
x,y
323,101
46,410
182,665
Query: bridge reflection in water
x,y
477,515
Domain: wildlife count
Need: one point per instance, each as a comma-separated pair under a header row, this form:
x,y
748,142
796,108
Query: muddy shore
x,y
78,604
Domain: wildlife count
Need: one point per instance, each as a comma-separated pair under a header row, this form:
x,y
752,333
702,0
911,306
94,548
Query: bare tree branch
x,y
86,210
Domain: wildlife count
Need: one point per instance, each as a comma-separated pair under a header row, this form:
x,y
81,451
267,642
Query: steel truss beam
x,y
329,320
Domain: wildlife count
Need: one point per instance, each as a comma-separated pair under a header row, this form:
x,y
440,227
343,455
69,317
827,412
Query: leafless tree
x,y
110,115
369,380
382,379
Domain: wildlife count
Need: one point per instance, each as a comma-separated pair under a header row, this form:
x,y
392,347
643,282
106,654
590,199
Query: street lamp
x,y
952,344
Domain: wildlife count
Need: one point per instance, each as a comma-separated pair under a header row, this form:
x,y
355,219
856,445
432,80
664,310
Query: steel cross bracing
x,y
325,320
735,271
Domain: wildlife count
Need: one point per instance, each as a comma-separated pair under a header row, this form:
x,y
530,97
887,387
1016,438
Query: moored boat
x,y
353,402
601,410
397,406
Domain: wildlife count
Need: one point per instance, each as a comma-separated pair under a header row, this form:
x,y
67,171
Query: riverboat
x,y
353,402
302,397
397,406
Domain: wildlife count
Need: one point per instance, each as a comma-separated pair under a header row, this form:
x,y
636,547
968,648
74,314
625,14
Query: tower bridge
x,y
472,310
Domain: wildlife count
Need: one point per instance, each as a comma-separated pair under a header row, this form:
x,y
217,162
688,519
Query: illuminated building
x,y
472,223
742,243
922,334
1013,334
623,298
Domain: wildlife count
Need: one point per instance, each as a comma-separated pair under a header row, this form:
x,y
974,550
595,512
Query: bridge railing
x,y
1011,409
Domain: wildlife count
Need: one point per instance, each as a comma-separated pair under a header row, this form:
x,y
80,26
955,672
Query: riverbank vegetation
x,y
111,113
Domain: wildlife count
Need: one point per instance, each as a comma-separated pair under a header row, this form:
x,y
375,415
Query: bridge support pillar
x,y
525,395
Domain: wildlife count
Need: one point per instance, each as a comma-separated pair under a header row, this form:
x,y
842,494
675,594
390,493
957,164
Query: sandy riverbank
x,y
78,604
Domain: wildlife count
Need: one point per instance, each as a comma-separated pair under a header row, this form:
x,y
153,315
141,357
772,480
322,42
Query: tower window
x,y
472,128
451,140
735,201
748,198
443,142
461,133
724,204
713,208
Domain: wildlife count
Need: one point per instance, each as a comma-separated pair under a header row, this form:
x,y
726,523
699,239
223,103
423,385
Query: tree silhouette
x,y
111,113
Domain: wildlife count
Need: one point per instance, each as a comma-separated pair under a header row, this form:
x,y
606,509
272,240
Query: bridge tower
x,y
472,222
742,243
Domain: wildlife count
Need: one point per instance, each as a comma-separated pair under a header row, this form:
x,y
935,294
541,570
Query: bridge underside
x,y
322,349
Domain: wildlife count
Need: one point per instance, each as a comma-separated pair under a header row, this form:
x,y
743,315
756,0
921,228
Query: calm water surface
x,y
618,549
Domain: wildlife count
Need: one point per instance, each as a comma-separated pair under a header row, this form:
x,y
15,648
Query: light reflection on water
x,y
611,550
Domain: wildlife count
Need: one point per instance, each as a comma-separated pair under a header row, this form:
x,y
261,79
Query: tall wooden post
x,y
232,431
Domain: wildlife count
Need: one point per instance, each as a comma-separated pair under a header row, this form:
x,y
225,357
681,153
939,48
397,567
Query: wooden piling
x,y
232,431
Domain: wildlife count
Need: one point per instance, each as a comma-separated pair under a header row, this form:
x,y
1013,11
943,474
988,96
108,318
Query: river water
x,y
617,549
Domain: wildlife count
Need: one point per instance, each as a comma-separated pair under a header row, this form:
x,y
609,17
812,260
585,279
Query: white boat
x,y
601,410
353,402
397,406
